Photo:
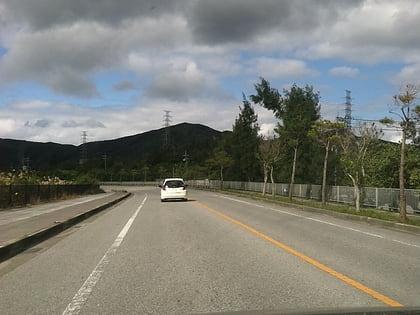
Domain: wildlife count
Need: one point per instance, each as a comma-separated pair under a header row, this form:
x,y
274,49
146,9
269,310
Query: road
x,y
213,253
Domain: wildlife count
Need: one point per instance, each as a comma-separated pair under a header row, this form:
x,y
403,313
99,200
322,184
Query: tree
x,y
221,160
327,134
269,155
244,143
383,163
413,165
355,148
297,110
408,112
269,98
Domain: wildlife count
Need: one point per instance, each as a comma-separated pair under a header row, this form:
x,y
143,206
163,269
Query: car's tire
x,y
162,200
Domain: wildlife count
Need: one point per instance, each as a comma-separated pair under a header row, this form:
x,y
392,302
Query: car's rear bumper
x,y
173,195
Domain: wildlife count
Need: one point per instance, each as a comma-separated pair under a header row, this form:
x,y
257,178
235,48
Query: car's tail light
x,y
183,187
163,187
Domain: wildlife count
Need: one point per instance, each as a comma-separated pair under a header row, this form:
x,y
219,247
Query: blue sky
x,y
111,68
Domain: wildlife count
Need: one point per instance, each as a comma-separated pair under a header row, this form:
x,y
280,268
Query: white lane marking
x,y
320,221
404,243
75,306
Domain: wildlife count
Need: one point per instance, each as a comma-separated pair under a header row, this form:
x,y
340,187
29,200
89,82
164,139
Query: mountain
x,y
196,140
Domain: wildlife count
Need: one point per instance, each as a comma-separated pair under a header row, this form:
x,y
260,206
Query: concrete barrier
x,y
14,247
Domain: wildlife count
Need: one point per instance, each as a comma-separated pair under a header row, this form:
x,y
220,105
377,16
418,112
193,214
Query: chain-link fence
x,y
381,198
18,195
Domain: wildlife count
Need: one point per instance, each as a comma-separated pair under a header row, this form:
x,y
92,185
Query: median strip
x,y
384,299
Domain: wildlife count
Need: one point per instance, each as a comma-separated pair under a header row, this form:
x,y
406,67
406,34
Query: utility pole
x,y
185,159
104,157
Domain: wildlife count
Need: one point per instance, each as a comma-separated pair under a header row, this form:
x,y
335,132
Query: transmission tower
x,y
347,111
167,119
83,148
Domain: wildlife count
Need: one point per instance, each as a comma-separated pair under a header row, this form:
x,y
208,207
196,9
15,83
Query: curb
x,y
14,247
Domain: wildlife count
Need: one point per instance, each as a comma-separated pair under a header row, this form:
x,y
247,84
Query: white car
x,y
173,188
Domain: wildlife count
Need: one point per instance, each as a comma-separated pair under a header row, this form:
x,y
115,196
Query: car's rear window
x,y
174,184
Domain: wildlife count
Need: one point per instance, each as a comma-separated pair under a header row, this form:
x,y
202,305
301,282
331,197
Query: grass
x,y
340,208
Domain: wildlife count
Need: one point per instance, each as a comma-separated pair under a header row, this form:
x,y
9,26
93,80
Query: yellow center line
x,y
309,260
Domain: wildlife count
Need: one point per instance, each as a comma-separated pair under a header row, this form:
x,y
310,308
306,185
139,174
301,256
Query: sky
x,y
112,68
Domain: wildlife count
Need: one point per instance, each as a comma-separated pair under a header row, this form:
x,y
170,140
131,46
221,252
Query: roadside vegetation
x,y
21,177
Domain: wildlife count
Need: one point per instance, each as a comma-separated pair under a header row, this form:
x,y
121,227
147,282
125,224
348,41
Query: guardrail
x,y
19,195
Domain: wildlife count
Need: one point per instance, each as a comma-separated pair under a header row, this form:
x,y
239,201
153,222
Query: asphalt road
x,y
214,253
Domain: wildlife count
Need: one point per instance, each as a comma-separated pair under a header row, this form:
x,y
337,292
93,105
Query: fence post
x,y
10,194
26,194
376,198
338,194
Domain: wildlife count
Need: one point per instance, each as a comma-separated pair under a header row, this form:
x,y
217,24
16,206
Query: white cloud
x,y
281,68
370,33
182,79
347,72
7,127
409,74
142,64
32,105
267,130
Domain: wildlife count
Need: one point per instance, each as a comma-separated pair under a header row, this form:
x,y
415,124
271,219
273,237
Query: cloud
x,y
65,58
90,123
44,14
346,72
214,22
7,126
124,86
267,130
40,123
181,81
409,74
70,124
68,82
281,68
64,44
32,105
390,36
61,58
229,21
